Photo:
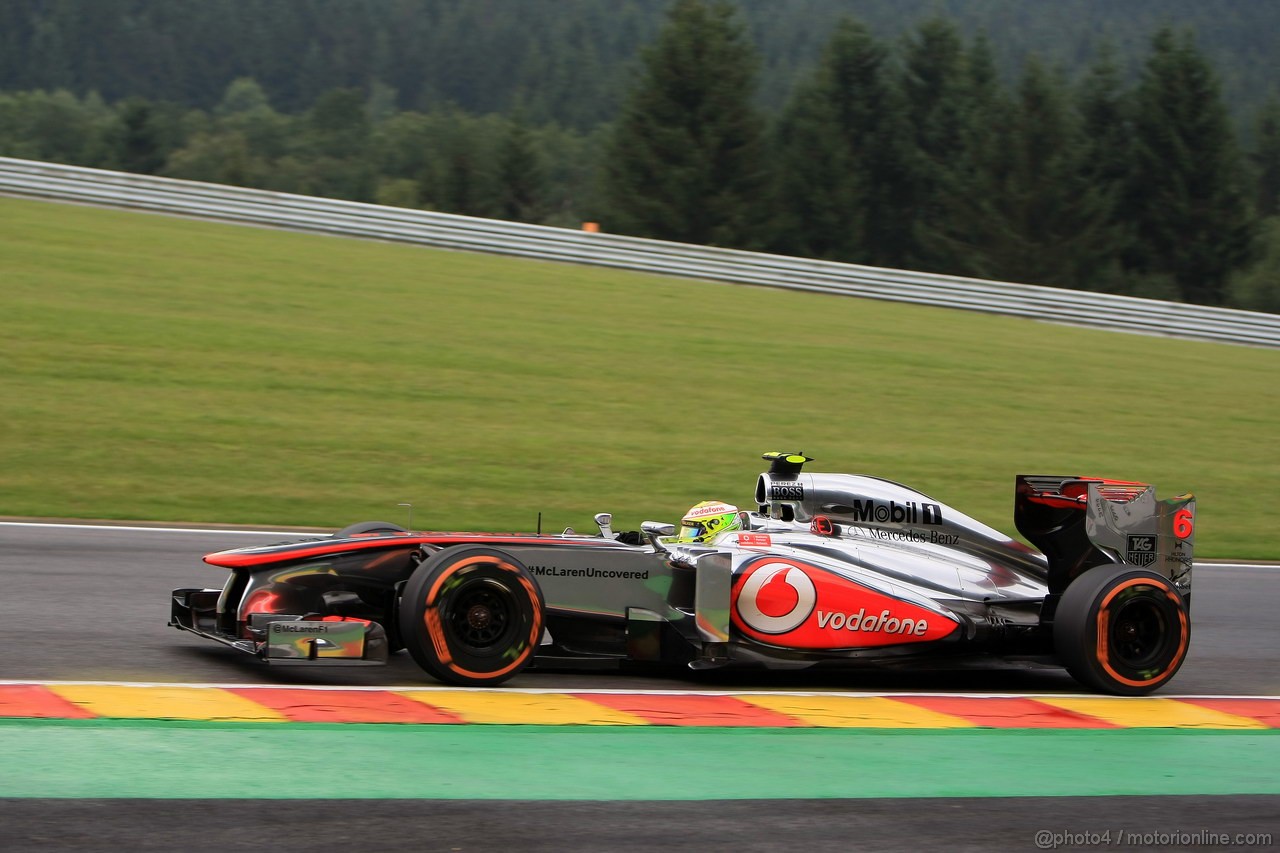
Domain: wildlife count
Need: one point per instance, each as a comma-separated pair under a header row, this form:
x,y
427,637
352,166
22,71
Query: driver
x,y
704,521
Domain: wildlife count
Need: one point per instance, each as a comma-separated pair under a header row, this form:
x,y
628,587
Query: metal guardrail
x,y
305,213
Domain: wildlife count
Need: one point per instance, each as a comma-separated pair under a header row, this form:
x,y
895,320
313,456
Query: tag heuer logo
x,y
1142,550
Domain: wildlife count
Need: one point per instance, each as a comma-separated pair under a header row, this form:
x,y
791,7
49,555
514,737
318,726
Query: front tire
x,y
471,616
367,528
1122,630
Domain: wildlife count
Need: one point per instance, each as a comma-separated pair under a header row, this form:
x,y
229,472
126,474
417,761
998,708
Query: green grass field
x,y
166,369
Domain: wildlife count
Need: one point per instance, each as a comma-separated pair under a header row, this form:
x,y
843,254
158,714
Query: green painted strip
x,y
157,759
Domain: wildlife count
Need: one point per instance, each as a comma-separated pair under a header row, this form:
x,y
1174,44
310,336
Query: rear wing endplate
x,y
1082,522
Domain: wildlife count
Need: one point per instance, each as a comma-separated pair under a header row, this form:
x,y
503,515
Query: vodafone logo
x,y
790,603
701,511
776,598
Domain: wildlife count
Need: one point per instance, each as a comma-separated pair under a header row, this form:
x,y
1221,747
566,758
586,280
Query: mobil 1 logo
x,y
1141,550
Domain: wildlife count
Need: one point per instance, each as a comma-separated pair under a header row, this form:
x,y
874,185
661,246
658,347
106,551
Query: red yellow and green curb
x,y
260,704
118,740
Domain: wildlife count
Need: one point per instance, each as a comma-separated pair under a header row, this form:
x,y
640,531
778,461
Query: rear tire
x,y
1122,630
471,616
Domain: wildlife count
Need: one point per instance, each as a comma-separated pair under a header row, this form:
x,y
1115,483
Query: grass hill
x,y
169,369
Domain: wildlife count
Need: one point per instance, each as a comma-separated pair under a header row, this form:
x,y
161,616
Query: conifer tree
x,y
686,159
1106,146
1257,287
334,145
141,150
968,184
458,169
934,86
521,176
1191,220
1265,159
1026,211
843,146
337,125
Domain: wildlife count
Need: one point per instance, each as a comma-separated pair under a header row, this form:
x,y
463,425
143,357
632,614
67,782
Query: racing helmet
x,y
706,520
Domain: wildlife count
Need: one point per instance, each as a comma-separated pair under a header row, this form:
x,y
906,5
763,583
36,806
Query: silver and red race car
x,y
829,570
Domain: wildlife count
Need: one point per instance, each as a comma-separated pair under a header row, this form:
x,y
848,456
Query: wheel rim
x,y
482,615
1140,636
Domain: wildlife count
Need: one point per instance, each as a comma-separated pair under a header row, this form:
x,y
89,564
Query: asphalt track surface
x,y
79,603
91,603
712,826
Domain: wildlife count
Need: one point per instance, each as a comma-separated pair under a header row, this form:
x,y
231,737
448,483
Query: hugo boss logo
x,y
786,491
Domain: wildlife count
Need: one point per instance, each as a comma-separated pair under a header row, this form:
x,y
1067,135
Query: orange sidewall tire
x,y
472,616
1122,630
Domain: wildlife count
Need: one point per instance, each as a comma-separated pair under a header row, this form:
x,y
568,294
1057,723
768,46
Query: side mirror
x,y
605,521
654,529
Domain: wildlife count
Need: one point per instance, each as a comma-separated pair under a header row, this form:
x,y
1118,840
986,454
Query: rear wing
x,y
1082,522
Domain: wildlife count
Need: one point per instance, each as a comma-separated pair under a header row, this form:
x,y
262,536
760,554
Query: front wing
x,y
328,641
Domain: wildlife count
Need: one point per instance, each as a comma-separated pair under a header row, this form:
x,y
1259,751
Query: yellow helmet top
x,y
707,520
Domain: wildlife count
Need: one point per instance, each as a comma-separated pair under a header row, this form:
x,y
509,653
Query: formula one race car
x,y
830,570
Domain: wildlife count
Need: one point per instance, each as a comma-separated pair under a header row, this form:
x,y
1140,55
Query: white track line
x,y
616,691
1224,564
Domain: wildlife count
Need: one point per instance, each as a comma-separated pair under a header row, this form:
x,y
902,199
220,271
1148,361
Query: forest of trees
x,y
1124,171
